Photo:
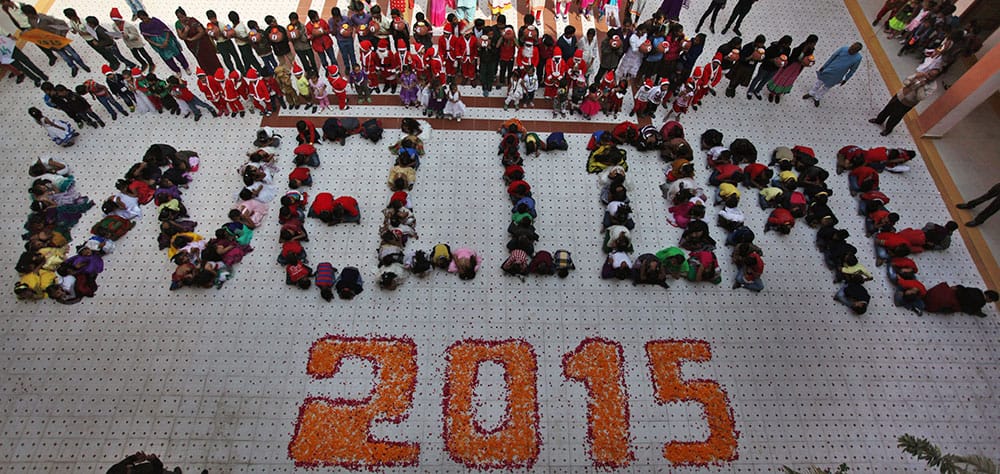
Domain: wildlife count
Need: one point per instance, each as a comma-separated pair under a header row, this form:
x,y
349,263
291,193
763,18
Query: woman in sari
x,y
197,40
158,36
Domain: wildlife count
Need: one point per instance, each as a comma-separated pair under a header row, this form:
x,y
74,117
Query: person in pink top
x,y
465,262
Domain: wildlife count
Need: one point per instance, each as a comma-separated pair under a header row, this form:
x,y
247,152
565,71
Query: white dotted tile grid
x,y
214,379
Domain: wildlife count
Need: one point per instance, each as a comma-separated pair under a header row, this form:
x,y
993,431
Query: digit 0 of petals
x,y
598,363
337,432
516,442
665,359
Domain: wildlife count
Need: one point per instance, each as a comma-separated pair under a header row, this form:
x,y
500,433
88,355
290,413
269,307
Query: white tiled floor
x,y
214,378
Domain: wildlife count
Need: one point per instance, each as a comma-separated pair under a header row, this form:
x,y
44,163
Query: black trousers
x,y
994,194
892,113
227,50
739,13
713,9
308,60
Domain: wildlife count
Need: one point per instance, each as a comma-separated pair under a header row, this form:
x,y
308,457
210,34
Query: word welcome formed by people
x,y
338,432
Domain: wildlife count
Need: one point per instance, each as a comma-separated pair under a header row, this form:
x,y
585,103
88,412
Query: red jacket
x,y
349,204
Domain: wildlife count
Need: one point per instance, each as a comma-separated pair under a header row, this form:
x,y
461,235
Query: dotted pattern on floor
x,y
213,379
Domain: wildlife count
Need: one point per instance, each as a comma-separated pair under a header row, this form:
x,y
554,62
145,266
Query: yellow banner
x,y
44,38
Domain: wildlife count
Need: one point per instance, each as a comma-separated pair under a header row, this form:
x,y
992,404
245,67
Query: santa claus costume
x,y
701,82
369,64
338,86
435,66
555,71
230,92
526,56
212,91
450,47
470,56
259,92
387,61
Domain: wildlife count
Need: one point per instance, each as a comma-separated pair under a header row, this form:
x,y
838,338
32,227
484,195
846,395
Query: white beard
x,y
527,52
383,53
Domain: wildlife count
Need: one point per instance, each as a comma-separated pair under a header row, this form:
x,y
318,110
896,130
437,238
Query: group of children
x,y
45,267
348,282
894,247
523,258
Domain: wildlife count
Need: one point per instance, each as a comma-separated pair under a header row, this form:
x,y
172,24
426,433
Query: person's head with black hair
x,y
711,138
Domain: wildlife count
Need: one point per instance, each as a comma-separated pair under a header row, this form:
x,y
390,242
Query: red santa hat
x,y
557,53
431,52
199,71
664,82
610,76
116,15
105,69
383,44
697,72
649,82
296,69
251,74
220,75
578,54
366,45
400,44
136,72
233,74
332,70
448,28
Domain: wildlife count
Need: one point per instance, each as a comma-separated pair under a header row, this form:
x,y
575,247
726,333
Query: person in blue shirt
x,y
838,69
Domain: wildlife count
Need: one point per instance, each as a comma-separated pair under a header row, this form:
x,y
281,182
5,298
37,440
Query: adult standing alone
x,y
838,69
915,88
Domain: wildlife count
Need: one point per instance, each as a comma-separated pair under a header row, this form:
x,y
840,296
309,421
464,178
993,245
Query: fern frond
x,y
921,449
789,470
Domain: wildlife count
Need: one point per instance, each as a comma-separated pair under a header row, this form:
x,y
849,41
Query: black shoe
x,y
749,97
712,29
816,102
85,68
197,117
758,96
738,32
52,61
875,121
972,223
233,115
20,79
807,97
886,133
736,285
777,98
963,205
74,72
243,114
724,30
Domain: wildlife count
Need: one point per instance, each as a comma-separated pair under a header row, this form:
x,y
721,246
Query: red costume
x,y
338,84
369,63
388,63
555,70
212,90
230,90
527,56
450,47
470,57
258,91
435,66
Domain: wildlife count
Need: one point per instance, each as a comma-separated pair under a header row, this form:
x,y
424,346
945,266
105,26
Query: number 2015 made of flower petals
x,y
337,432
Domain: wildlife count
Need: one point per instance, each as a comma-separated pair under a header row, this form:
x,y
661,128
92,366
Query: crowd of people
x,y
523,259
274,65
45,267
893,247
